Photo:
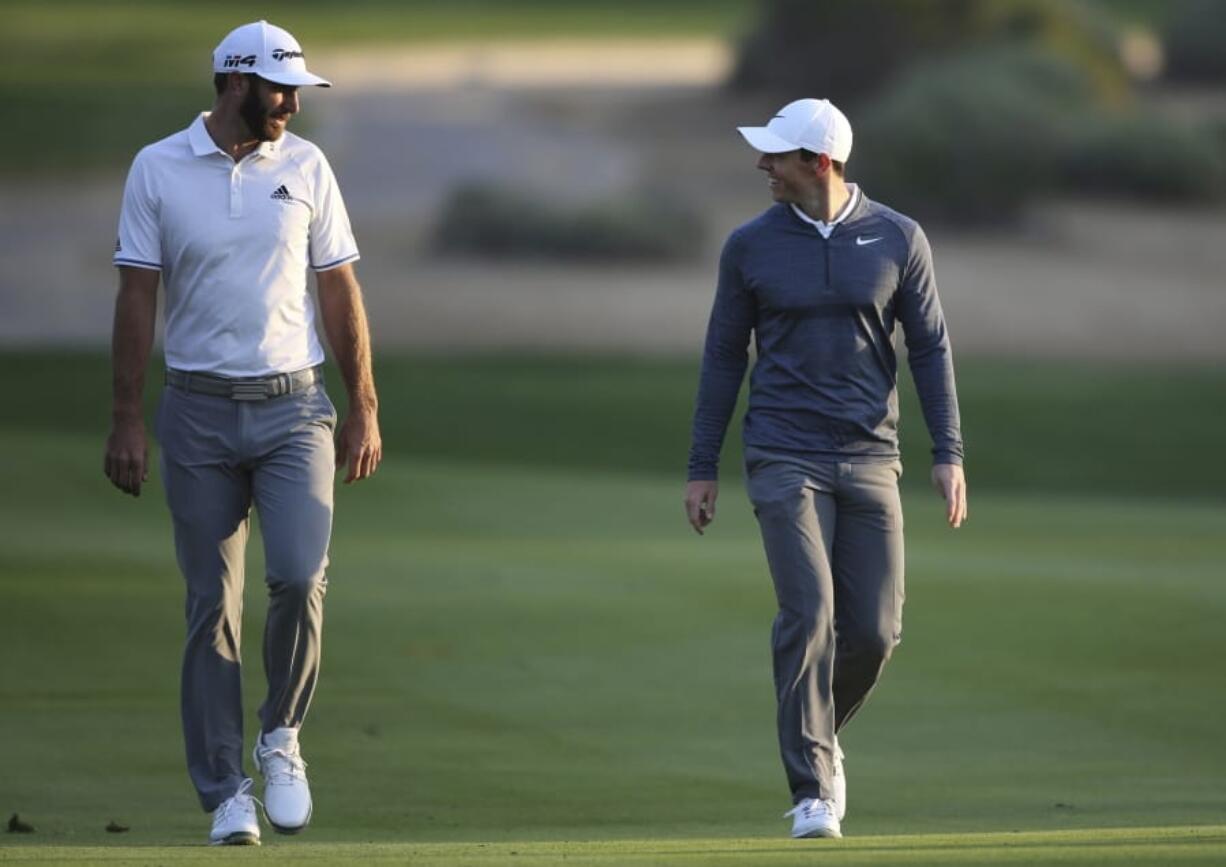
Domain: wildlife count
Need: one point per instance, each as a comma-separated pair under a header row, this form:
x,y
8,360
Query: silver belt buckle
x,y
249,391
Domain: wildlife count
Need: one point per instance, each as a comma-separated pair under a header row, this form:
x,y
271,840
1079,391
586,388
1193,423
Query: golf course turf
x,y
529,658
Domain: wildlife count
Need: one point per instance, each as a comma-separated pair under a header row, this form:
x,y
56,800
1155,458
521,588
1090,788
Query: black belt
x,y
248,387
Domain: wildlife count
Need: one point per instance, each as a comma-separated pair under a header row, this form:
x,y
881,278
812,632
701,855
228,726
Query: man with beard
x,y
231,213
821,280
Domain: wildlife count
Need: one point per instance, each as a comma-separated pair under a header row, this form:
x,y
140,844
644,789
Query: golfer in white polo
x,y
230,213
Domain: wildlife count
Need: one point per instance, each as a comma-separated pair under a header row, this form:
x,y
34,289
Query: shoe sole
x,y
815,835
283,829
239,838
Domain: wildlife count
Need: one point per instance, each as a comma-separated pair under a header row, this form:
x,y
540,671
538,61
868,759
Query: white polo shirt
x,y
233,242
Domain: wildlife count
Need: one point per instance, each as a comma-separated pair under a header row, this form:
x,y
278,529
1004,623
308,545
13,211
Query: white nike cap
x,y
267,51
812,124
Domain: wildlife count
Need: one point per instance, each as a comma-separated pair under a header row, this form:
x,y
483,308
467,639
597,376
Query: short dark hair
x,y
220,78
809,156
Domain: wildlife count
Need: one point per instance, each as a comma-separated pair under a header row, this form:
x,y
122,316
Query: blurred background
x,y
520,626
1068,158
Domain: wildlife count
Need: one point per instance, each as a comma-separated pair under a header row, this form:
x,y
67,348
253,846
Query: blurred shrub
x,y
491,221
1145,158
848,49
964,110
970,139
1215,129
1196,41
973,138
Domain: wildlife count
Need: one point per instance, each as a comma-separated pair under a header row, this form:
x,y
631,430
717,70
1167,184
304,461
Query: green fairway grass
x,y
1040,427
529,658
1156,846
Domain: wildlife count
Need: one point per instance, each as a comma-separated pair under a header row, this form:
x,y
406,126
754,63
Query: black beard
x,y
253,113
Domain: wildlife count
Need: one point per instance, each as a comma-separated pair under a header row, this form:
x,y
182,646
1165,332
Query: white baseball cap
x,y
812,124
267,51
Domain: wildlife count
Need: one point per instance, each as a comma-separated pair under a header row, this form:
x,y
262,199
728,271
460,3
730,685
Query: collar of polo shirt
x,y
202,143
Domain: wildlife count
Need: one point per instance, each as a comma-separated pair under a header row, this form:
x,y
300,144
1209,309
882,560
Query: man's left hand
x,y
359,445
950,481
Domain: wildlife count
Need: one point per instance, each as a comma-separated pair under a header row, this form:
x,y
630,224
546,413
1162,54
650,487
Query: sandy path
x,y
1091,282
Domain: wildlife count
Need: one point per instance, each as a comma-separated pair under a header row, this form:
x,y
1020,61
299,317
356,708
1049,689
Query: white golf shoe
x,y
235,822
813,817
839,796
287,795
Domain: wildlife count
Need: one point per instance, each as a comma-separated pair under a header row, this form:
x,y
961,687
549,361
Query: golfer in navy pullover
x,y
819,281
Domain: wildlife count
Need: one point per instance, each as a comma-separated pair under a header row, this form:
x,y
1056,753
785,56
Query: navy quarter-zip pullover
x,y
822,312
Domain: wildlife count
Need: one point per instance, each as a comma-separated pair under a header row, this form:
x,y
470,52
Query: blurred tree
x,y
1195,41
849,49
973,137
966,110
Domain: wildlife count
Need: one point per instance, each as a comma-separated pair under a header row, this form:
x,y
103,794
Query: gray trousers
x,y
833,534
218,457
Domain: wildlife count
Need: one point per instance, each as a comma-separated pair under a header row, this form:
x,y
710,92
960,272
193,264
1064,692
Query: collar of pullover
x,y
826,229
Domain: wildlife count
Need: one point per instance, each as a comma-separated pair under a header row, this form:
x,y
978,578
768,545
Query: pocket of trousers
x,y
323,406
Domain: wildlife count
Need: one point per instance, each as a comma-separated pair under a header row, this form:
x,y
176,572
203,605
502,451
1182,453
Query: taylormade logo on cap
x,y
810,124
265,50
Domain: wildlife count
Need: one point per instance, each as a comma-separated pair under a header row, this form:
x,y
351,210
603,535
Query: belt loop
x,y
286,383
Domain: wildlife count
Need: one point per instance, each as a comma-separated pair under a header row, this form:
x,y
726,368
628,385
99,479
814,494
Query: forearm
x,y
719,384
132,342
930,353
348,333
933,372
724,359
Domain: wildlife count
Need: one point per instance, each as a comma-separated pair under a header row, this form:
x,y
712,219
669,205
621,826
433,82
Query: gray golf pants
x,y
219,456
833,534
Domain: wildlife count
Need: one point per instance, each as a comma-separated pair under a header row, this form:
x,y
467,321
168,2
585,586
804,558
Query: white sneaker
x,y
235,822
839,782
287,796
814,818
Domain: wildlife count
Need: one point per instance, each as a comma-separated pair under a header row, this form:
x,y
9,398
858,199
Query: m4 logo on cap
x,y
284,54
236,60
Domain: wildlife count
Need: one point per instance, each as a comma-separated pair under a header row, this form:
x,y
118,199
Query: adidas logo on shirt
x,y
282,193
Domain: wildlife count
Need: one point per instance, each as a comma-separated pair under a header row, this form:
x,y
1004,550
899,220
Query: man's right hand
x,y
127,456
700,503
